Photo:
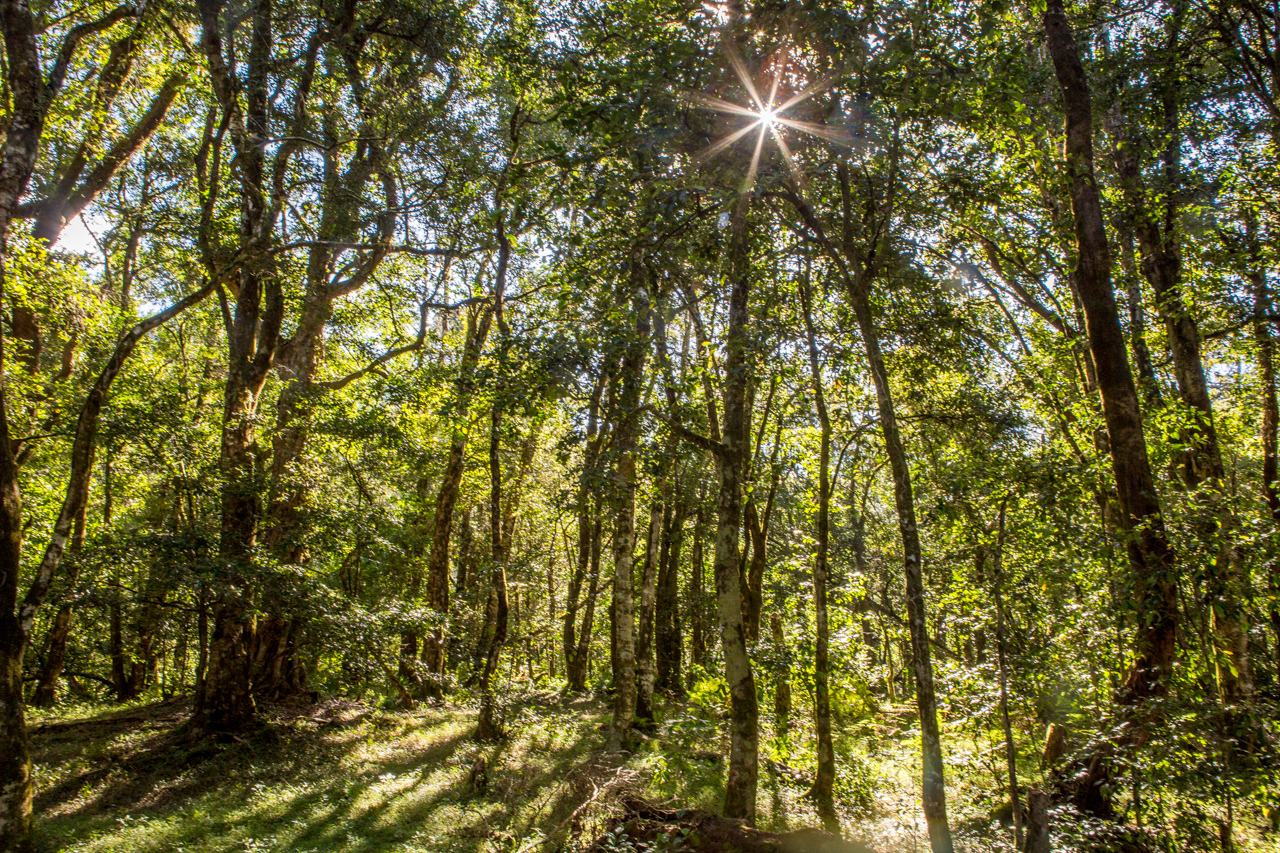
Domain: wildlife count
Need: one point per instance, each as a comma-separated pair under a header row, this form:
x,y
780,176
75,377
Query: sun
x,y
767,114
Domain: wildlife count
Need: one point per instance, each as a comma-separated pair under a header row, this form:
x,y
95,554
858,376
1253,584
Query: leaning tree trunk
x,y
824,780
1151,563
857,282
17,616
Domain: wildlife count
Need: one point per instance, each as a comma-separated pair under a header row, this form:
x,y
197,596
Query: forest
x,y
639,425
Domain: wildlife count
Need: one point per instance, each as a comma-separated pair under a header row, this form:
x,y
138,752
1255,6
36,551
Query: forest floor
x,y
347,776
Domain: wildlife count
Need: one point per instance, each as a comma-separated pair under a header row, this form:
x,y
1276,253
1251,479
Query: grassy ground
x,y
346,777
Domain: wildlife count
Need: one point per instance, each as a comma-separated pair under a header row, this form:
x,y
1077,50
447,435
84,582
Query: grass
x,y
346,777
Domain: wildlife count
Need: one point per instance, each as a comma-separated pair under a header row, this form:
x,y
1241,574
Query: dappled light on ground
x,y
346,777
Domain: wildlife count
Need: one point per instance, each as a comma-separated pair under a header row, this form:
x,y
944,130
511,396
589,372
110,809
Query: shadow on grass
x,y
379,782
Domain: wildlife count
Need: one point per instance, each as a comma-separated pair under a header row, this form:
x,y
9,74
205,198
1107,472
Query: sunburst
x,y
768,117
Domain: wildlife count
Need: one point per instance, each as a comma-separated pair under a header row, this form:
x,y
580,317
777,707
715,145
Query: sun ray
x,y
725,143
786,155
777,77
740,68
750,182
806,93
840,136
725,106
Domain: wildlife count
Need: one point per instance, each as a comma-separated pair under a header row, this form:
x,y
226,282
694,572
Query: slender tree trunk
x,y
450,487
626,403
857,270
1011,754
782,680
487,728
934,787
670,641
824,780
645,670
588,535
740,786
576,667
696,597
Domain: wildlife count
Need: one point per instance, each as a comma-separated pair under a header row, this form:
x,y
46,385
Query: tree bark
x,y
588,544
47,687
1011,754
433,656
696,597
1161,264
782,681
225,702
487,727
645,669
576,667
740,786
670,638
624,410
824,779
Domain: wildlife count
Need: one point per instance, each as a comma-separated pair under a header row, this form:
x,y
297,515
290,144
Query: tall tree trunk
x,y
18,618
1151,560
225,702
696,597
933,786
576,666
624,413
824,779
1151,563
782,679
740,786
433,656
